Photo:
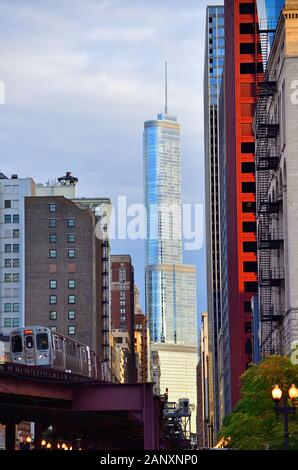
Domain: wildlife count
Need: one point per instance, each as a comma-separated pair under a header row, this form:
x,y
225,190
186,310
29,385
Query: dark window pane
x,y
247,147
247,307
29,342
250,267
247,8
249,227
249,207
249,247
249,187
247,28
248,167
42,342
250,287
16,344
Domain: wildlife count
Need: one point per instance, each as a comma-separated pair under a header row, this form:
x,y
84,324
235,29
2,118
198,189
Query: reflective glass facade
x,y
170,285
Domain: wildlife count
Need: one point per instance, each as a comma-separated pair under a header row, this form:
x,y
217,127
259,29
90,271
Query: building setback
x,y
63,258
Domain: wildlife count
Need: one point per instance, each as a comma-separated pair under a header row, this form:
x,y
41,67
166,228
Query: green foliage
x,y
253,424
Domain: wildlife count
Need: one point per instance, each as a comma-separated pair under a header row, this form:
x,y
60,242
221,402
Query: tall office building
x,y
12,235
170,285
243,66
213,72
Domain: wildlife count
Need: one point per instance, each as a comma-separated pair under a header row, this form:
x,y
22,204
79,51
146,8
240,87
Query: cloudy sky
x,y
81,76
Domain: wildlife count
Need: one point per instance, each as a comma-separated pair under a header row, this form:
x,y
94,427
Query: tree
x,y
253,424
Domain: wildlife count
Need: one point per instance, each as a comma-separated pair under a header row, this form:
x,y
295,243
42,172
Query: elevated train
x,y
40,346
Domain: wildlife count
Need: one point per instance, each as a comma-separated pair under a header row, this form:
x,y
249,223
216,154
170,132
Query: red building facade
x,y
243,66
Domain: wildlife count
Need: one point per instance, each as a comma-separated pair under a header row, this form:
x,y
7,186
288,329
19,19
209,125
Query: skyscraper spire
x,y
166,87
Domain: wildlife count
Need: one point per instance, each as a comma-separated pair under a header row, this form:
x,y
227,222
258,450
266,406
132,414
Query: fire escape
x,y
267,162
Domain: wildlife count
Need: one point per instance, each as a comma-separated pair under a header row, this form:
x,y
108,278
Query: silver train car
x,y
39,346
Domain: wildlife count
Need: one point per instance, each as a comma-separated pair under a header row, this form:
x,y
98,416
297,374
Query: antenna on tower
x,y
166,87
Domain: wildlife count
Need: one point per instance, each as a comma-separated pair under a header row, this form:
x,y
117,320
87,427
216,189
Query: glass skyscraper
x,y
170,285
214,187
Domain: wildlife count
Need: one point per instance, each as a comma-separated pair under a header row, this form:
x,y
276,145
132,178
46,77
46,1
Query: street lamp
x,y
277,395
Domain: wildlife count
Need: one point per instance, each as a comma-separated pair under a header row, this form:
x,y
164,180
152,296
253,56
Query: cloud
x,y
81,76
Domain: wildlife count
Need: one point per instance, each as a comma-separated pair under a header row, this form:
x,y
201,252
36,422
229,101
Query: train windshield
x,y
42,342
29,342
16,344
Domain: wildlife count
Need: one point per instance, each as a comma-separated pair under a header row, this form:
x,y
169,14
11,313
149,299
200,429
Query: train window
x,y
16,344
42,341
29,342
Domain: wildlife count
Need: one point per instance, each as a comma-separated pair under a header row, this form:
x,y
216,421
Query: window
x,y
122,310
71,238
53,299
16,344
52,253
16,308
16,218
15,322
248,346
248,227
7,219
247,307
122,302
247,28
247,9
71,253
7,204
249,48
7,308
71,314
7,248
71,299
248,167
7,263
52,208
16,233
16,248
250,266
249,207
53,284
16,277
53,315
249,247
7,322
122,318
16,263
249,187
247,327
7,277
71,330
52,238
250,67
52,223
250,286
42,341
71,283
71,223
247,147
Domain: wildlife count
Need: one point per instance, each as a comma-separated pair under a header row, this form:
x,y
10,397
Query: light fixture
x,y
43,443
293,392
63,445
28,439
276,393
49,445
